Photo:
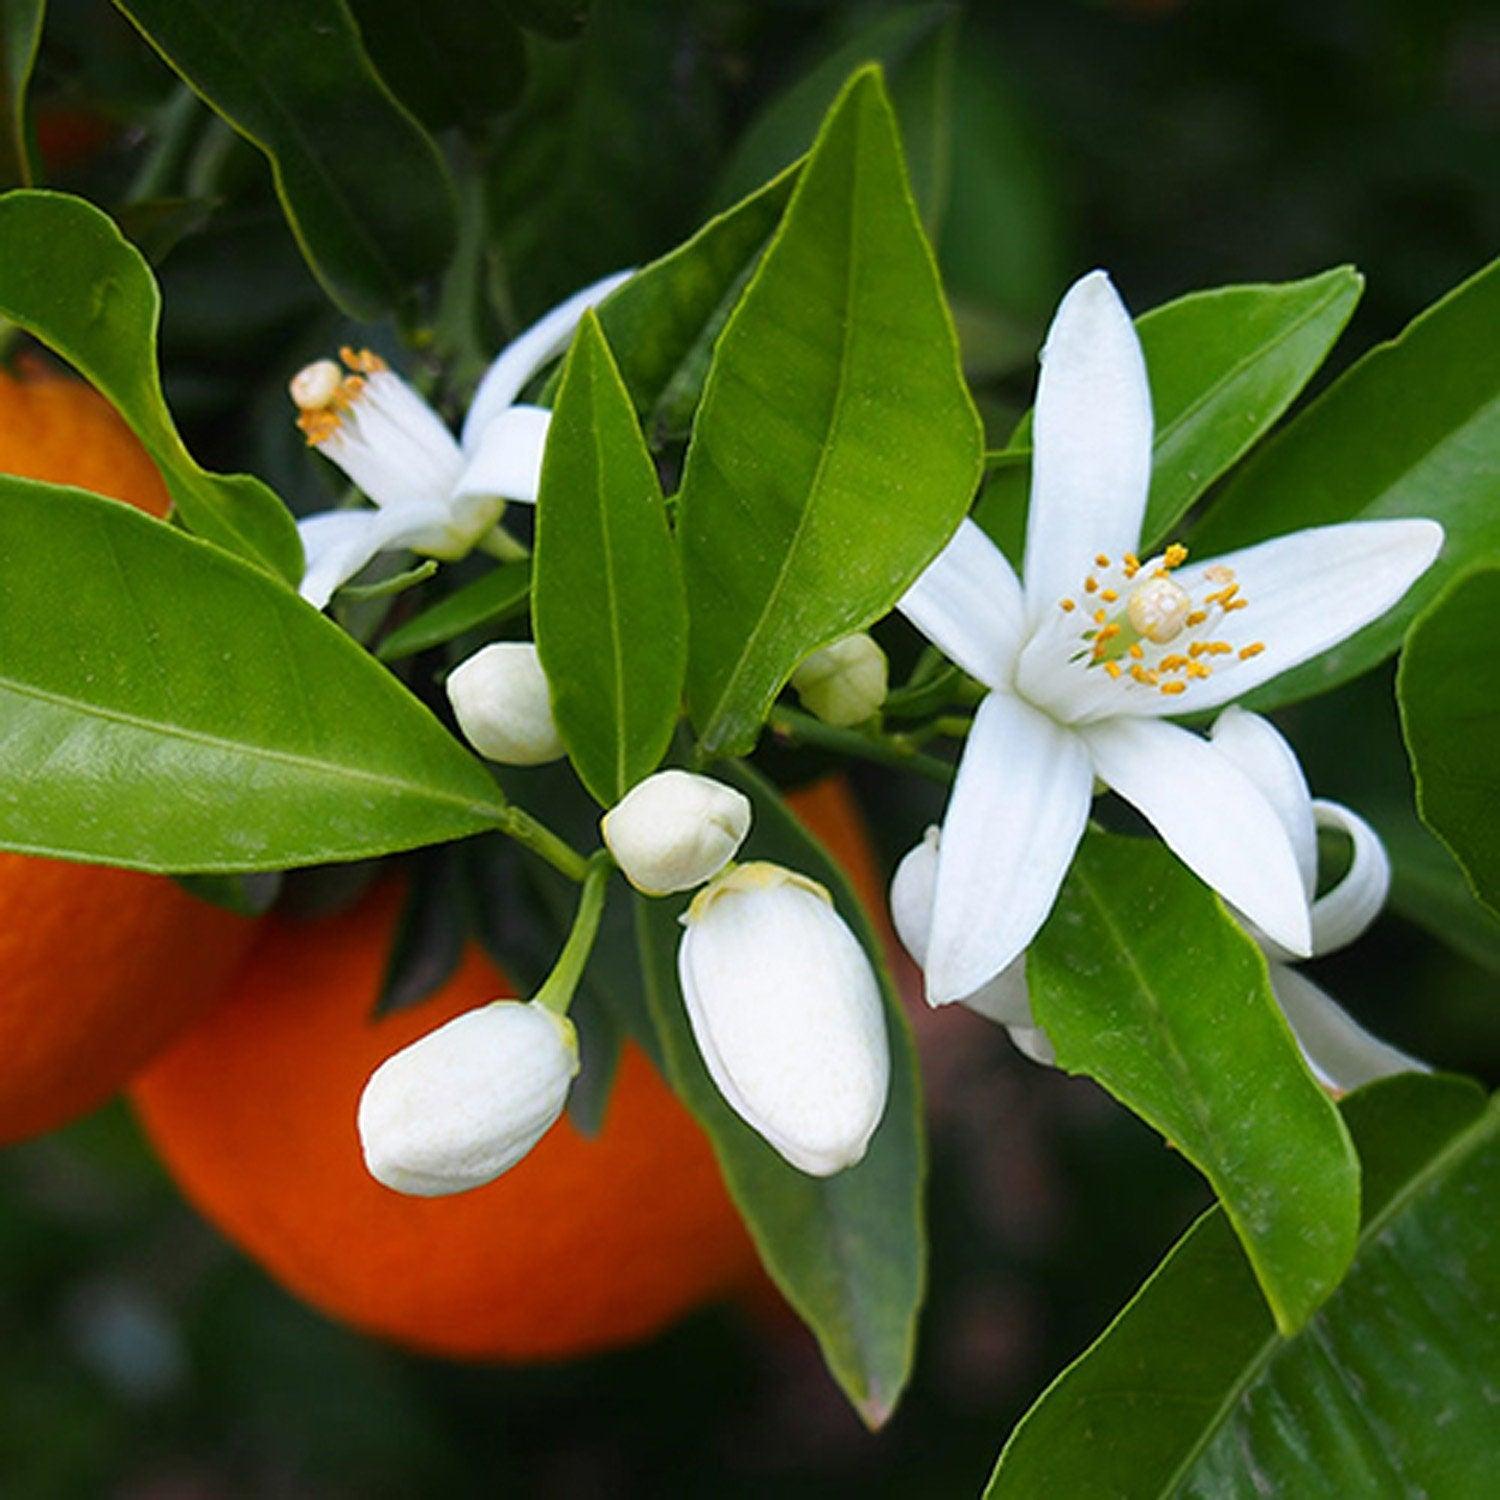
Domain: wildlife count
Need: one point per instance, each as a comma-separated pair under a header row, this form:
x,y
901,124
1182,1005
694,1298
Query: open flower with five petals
x,y
1088,654
432,493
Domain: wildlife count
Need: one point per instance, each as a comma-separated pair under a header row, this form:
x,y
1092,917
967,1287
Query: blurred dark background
x,y
1181,144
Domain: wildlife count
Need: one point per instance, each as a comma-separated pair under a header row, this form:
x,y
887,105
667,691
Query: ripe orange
x,y
99,968
586,1245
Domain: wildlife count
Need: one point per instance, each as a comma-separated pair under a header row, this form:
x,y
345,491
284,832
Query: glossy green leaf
x,y
555,18
68,278
20,36
363,187
836,447
1413,429
165,706
1224,365
1450,713
450,62
498,595
1389,1390
848,1251
663,322
1143,982
611,624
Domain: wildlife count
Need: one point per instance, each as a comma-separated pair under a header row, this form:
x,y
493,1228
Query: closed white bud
x,y
1004,998
786,1010
844,683
465,1103
675,830
503,705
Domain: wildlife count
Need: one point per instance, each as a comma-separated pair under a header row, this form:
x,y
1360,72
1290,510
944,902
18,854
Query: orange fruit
x,y
99,968
585,1245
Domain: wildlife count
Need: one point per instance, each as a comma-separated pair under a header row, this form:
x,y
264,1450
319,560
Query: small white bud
x,y
465,1103
1004,998
675,830
844,683
503,705
786,1010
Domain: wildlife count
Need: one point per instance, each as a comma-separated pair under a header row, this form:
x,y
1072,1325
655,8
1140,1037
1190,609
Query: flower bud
x,y
786,1010
503,705
1004,998
675,830
465,1103
844,683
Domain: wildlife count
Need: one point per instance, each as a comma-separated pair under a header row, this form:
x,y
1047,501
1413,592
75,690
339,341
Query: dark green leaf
x,y
1143,982
251,895
167,707
611,625
556,18
497,596
20,36
385,588
1450,713
848,1251
69,279
1413,429
428,944
836,446
1224,365
451,62
663,322
1390,1390
364,189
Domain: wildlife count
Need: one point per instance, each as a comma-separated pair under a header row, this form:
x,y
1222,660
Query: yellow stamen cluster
x,y
1157,610
322,392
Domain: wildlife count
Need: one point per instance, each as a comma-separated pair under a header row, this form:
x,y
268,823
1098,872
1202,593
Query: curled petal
x,y
1342,914
1091,459
1341,1053
505,460
514,366
1017,812
968,604
338,543
1211,816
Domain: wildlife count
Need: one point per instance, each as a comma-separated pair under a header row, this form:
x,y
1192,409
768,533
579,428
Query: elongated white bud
x,y
844,683
465,1103
1003,998
675,830
786,1010
501,698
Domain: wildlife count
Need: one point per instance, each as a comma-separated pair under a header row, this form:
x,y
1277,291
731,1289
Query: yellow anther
x,y
1101,561
1100,616
1197,617
1253,649
1173,663
1220,648
1144,675
1108,595
362,361
1132,564
1175,556
1113,668
1197,669
1091,585
1172,688
1136,651
1066,605
1235,604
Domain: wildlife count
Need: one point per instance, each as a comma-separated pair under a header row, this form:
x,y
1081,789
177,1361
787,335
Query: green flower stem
x,y
556,993
802,729
545,844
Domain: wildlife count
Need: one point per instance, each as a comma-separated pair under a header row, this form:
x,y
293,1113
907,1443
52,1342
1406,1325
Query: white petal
x,y
1033,1042
465,1103
1091,448
338,543
1004,998
1211,816
968,604
1256,746
1341,1053
675,830
1014,820
786,1011
1305,592
514,366
1342,914
505,461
